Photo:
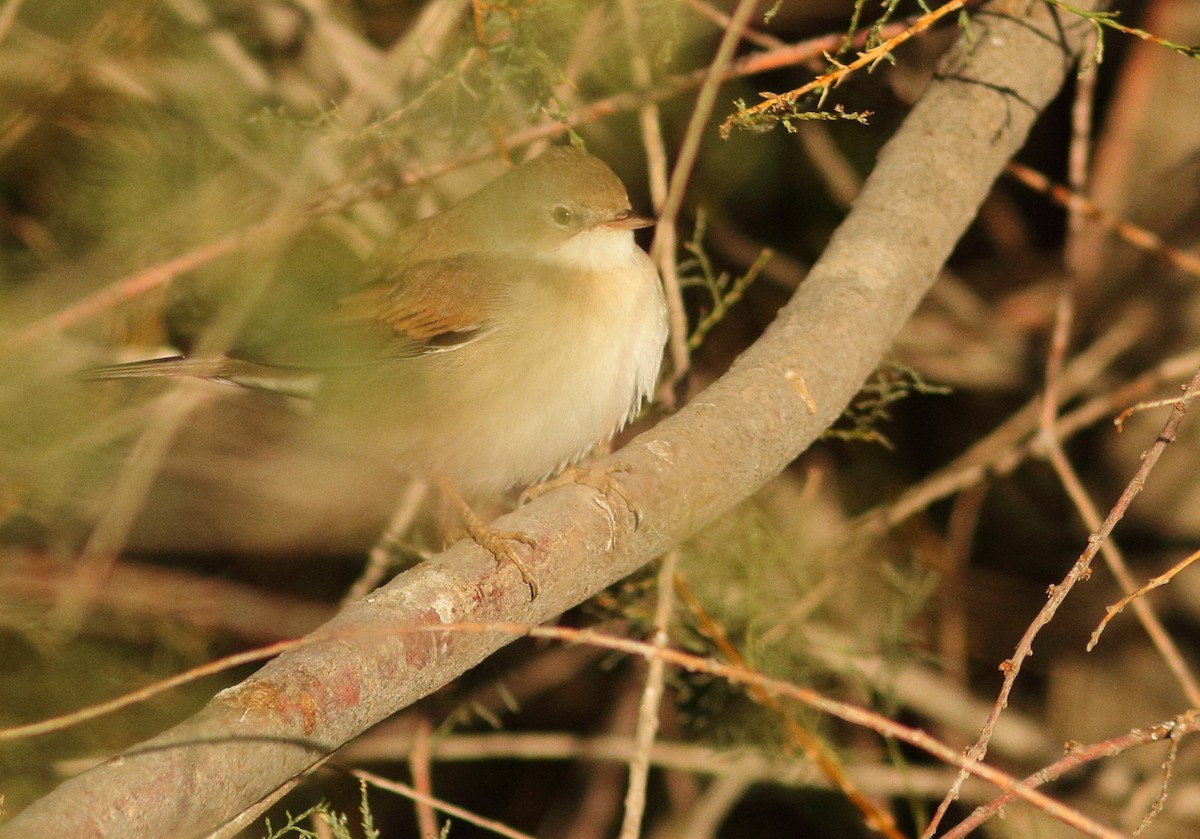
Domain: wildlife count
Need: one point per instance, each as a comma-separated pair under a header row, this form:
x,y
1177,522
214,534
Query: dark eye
x,y
561,215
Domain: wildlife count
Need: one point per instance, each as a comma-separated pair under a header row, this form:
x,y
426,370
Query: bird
x,y
490,346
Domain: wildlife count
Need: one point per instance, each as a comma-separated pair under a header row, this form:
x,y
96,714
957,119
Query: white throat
x,y
600,249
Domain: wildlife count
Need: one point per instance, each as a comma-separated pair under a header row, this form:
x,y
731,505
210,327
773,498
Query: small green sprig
x,y
338,823
724,291
761,121
872,407
1108,20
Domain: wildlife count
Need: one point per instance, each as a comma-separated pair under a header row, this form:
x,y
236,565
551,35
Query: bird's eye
x,y
561,215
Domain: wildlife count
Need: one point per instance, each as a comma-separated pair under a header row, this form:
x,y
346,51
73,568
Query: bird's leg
x,y
496,542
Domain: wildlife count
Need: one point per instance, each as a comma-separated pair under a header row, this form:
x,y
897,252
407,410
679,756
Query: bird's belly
x,y
559,395
530,426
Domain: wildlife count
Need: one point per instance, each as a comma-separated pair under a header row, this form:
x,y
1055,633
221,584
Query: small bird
x,y
494,344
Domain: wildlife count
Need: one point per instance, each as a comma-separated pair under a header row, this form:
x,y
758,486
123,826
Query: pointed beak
x,y
626,220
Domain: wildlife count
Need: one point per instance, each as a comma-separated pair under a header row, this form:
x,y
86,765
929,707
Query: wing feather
x,y
433,306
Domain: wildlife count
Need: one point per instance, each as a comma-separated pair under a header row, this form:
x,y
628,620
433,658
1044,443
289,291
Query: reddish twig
x,y
1077,755
781,102
1139,237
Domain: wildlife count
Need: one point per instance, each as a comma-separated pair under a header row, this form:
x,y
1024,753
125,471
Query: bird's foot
x,y
602,479
499,543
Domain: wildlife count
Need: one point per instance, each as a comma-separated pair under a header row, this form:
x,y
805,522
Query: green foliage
x,y
789,114
1102,20
337,825
872,407
791,610
890,11
787,108
724,291
528,44
527,47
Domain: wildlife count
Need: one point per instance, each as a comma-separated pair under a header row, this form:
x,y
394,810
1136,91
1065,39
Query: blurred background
x,y
177,174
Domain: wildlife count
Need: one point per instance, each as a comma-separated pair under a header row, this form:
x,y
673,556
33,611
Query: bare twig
x,y
1079,755
1115,609
665,235
1139,237
382,553
652,692
1162,640
754,36
444,806
845,711
1008,445
1011,667
418,765
1149,405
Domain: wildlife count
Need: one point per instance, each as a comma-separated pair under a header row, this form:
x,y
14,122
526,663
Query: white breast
x,y
578,367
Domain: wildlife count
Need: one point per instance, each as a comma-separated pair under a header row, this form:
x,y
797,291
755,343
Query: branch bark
x,y
733,438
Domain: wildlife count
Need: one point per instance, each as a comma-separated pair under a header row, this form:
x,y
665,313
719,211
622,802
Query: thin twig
x,y
1167,648
1139,237
754,36
382,553
338,197
746,763
418,766
1080,570
781,102
1003,450
650,123
1115,609
1168,766
1152,404
135,285
125,700
853,714
665,235
799,738
652,692
649,118
444,806
1078,755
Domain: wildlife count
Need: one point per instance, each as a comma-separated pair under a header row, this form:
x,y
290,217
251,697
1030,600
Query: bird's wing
x,y
431,307
434,306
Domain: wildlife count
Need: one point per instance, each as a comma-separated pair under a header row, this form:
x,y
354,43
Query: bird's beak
x,y
628,221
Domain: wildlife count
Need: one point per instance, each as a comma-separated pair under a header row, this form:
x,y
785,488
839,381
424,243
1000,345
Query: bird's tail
x,y
234,371
175,366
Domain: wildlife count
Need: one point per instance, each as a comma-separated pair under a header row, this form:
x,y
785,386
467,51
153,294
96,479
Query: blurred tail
x,y
234,371
172,366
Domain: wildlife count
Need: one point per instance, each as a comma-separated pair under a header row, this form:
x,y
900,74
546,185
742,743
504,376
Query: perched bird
x,y
497,342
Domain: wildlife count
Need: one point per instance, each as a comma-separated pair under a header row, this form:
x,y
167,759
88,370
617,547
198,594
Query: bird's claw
x,y
499,544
